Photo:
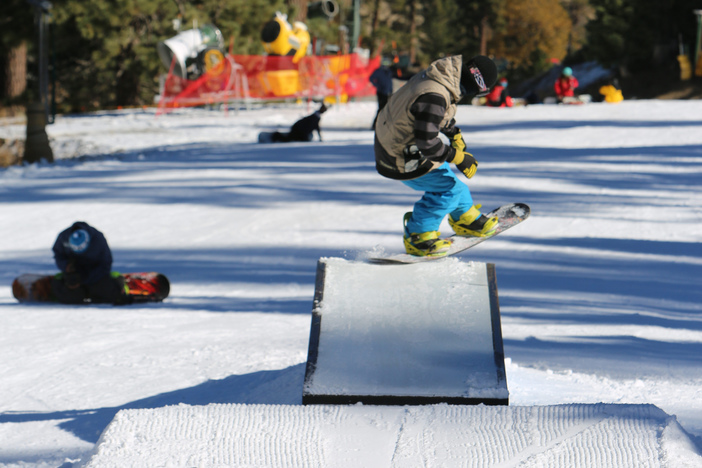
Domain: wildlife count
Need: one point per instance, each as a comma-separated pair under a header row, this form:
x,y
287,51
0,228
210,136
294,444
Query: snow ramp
x,y
234,435
422,333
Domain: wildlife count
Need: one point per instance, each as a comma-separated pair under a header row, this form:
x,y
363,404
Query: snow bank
x,y
575,435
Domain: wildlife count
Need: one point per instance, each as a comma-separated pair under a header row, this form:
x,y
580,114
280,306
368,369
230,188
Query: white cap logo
x,y
478,77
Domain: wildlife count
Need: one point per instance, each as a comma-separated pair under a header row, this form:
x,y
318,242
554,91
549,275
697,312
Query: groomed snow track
x,y
576,435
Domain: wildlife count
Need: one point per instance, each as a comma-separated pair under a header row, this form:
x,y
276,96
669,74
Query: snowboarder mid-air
x,y
408,148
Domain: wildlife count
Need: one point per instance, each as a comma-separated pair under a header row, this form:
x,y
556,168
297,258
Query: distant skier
x,y
381,79
84,258
565,85
303,129
408,148
499,95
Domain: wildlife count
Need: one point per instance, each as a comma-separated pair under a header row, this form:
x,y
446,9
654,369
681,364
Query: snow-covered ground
x,y
599,290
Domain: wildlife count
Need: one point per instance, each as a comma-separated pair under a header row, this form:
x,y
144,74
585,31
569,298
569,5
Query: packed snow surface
x,y
599,289
621,436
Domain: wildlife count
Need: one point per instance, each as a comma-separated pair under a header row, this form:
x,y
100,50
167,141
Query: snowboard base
x,y
570,100
508,216
143,287
265,137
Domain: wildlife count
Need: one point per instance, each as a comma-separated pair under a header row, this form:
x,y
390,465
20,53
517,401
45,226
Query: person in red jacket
x,y
565,85
499,95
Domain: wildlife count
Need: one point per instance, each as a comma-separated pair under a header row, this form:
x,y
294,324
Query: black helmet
x,y
478,75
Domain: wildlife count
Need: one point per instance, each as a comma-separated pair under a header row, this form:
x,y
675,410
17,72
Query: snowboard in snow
x,y
143,287
508,216
265,137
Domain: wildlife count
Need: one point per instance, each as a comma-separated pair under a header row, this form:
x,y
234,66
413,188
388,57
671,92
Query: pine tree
x,y
107,49
640,34
440,29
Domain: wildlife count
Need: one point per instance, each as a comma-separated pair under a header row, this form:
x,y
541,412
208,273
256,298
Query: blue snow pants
x,y
443,194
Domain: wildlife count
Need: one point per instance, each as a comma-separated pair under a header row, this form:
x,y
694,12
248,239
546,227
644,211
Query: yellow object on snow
x,y
611,94
685,67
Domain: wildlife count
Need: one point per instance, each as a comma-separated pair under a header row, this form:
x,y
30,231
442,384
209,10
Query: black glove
x,y
450,129
71,280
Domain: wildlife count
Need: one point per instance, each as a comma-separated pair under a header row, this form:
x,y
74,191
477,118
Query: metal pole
x,y
699,36
356,23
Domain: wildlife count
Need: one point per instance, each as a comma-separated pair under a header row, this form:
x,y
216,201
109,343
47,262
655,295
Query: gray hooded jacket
x,y
394,129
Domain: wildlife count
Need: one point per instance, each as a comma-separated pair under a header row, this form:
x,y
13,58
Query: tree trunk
x,y
413,32
484,32
16,71
375,22
300,9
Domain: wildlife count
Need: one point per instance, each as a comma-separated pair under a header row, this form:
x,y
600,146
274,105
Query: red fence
x,y
248,77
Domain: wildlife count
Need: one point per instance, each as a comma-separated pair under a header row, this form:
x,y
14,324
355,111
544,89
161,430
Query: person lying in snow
x,y
303,129
85,260
499,95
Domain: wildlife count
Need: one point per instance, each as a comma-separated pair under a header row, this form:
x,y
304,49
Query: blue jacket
x,y
381,78
91,265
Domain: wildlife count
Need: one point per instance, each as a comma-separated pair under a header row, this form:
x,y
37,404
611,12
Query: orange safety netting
x,y
246,77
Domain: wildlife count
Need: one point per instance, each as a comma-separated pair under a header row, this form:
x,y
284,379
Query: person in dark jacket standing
x,y
408,148
381,79
303,129
84,258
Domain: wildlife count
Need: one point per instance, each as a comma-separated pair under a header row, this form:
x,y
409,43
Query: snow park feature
x,y
599,292
409,347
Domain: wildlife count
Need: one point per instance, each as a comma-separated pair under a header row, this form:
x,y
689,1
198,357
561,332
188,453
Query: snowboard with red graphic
x,y
140,287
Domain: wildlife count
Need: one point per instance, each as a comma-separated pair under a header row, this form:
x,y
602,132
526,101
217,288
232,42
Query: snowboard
x,y
143,287
508,216
571,101
265,137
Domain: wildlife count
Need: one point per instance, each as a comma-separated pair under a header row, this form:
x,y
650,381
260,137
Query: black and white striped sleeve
x,y
428,111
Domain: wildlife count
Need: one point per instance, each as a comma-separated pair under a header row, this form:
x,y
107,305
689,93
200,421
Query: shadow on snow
x,y
257,176
279,387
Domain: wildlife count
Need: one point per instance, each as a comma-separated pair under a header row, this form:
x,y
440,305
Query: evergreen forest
x,y
103,53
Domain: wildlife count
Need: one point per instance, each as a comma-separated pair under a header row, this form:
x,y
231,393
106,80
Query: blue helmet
x,y
79,240
567,71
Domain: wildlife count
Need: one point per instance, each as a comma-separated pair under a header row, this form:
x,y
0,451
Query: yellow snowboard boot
x,y
425,244
473,224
